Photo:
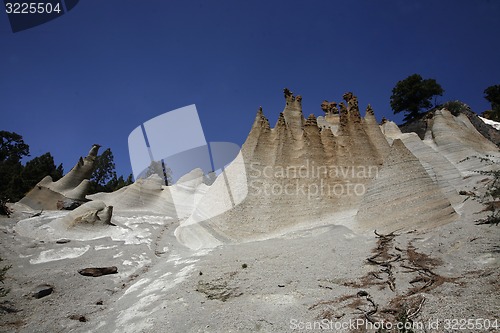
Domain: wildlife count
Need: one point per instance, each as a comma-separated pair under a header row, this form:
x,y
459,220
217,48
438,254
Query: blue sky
x,y
102,69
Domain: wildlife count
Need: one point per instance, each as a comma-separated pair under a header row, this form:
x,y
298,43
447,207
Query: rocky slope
x,y
231,257
420,126
343,166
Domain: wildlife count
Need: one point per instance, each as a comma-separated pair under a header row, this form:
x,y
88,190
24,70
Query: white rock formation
x,y
300,173
151,195
73,186
403,196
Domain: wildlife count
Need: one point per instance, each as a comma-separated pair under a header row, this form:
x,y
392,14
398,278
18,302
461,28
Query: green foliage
x,y
492,95
3,271
16,179
103,173
11,184
104,178
455,107
160,169
37,169
40,167
12,147
12,150
117,183
413,94
491,198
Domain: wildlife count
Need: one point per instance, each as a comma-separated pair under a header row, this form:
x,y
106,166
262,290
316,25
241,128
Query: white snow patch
x,y
494,124
59,254
119,254
103,247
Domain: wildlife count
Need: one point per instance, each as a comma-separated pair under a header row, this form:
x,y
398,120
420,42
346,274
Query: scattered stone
x,y
98,271
92,212
4,210
78,317
69,204
42,290
329,107
8,307
218,289
362,293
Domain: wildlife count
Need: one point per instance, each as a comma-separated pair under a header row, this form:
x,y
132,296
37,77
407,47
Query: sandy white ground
x,y
304,276
312,270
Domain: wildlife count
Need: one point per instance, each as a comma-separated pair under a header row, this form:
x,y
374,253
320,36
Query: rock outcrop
x,y
341,168
329,108
307,172
403,196
98,271
69,191
421,125
90,213
151,195
299,172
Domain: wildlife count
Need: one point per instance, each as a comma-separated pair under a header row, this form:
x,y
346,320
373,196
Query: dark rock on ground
x,y
78,317
98,271
42,290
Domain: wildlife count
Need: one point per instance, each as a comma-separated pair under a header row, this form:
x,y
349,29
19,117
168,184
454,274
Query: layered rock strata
x,y
69,191
298,173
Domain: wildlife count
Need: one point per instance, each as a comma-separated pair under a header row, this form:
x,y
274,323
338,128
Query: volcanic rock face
x,y
316,187
302,172
339,169
403,196
72,188
457,139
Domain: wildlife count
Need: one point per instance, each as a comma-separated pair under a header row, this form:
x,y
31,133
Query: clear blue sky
x,y
99,71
